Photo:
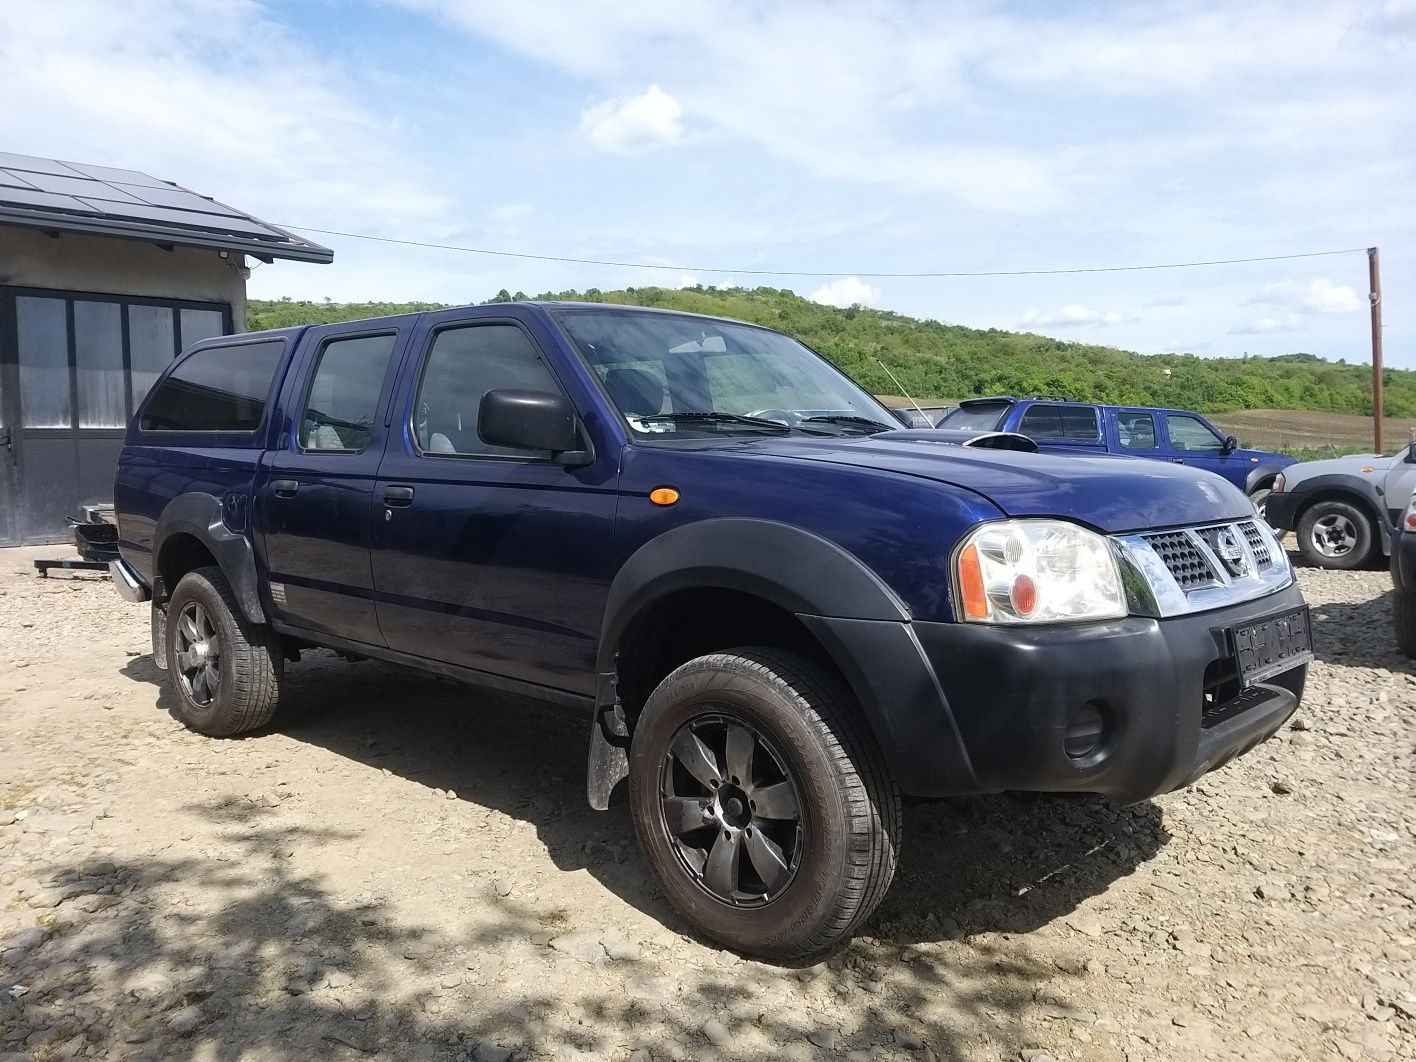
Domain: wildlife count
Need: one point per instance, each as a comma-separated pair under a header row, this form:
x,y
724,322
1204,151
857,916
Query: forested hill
x,y
934,360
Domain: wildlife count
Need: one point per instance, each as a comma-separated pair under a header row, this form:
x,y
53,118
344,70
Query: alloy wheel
x,y
731,811
198,657
1334,535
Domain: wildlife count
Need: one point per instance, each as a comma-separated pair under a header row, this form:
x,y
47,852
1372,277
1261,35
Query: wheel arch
x,y
1361,494
722,583
191,534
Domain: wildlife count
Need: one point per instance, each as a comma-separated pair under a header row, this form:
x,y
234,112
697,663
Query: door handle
x,y
397,497
285,488
1177,460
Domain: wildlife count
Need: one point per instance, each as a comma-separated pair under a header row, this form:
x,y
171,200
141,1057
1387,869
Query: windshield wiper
x,y
845,419
718,418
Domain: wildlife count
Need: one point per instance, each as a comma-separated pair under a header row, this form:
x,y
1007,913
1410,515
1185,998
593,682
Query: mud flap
x,y
159,636
609,757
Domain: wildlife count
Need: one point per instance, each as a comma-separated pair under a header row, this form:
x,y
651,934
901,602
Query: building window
x,y
44,362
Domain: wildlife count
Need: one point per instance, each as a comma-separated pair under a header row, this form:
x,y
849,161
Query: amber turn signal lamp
x,y
975,599
663,495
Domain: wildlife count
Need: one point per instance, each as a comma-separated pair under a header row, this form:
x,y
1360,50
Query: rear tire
x,y
1403,615
762,802
1336,535
224,669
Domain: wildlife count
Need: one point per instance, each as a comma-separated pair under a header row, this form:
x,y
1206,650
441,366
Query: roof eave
x,y
302,251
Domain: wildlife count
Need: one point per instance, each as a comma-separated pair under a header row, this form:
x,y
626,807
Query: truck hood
x,y
1351,465
1109,493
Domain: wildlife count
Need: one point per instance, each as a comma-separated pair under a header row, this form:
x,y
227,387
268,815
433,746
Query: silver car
x,y
1343,510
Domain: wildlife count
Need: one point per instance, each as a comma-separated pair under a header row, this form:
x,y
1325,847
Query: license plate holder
x,y
1272,645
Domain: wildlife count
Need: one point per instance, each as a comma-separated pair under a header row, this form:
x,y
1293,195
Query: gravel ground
x,y
406,869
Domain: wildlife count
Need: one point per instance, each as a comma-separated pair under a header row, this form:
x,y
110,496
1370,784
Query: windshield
x,y
976,416
674,376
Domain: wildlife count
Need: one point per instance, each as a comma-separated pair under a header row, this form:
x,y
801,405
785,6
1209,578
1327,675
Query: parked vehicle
x,y
1403,577
775,627
1173,435
1342,510
922,416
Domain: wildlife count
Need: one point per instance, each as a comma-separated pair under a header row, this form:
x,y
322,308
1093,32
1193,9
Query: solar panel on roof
x,y
181,199
107,201
13,179
85,186
34,165
186,218
117,176
54,200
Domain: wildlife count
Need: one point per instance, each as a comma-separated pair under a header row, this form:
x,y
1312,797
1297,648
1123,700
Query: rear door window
x,y
1136,431
344,394
1064,422
216,389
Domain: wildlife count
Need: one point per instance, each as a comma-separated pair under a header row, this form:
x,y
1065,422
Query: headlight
x,y
1037,571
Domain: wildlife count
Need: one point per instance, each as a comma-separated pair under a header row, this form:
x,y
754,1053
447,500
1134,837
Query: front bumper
x,y
986,709
1281,510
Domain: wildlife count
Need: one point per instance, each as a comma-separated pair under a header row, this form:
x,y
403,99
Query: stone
x,y
419,949
1084,922
619,947
185,1020
582,944
717,1033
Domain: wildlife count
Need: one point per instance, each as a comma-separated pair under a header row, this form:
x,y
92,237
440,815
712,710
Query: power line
x,y
817,273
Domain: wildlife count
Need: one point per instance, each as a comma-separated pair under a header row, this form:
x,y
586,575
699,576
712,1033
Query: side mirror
x,y
1230,444
532,420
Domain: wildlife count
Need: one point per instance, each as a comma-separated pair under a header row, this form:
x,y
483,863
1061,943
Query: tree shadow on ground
x,y
1357,633
987,864
236,954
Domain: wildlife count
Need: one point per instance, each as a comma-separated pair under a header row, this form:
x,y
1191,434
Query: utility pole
x,y
1374,277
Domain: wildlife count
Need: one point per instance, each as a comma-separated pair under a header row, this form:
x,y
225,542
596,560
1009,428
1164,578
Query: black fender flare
x,y
1358,489
1258,475
200,515
792,568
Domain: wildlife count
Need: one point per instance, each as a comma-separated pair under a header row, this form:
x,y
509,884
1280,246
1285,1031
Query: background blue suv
x,y
1173,435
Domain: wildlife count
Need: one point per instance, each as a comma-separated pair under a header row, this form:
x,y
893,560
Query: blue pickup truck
x,y
1174,435
777,610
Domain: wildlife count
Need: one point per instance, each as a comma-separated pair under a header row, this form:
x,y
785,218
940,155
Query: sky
x,y
799,136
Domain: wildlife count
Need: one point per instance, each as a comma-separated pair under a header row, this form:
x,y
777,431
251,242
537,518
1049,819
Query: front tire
x,y
762,802
1403,616
1260,498
1336,535
224,669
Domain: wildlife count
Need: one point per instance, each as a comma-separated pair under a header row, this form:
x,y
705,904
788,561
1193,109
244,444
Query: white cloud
x,y
1164,302
212,95
1288,322
1319,295
848,291
1074,315
688,280
630,124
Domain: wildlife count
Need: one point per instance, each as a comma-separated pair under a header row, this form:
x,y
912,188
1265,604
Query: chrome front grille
x,y
1183,558
1192,569
1257,543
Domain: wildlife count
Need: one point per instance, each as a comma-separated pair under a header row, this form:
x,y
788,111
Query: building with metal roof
x,y
105,275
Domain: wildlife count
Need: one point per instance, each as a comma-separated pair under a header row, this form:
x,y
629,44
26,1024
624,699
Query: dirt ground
x,y
1291,429
401,868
